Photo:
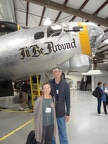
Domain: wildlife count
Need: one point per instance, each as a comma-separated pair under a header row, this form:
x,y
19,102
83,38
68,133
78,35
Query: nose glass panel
x,y
96,35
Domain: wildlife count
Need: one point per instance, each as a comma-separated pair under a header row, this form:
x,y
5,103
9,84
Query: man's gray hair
x,y
57,69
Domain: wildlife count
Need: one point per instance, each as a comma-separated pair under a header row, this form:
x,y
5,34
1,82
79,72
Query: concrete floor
x,y
85,125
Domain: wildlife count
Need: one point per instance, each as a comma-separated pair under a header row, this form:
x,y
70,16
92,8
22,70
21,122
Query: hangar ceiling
x,y
32,13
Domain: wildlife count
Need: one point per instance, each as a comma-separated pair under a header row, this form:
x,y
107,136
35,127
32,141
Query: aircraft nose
x,y
96,35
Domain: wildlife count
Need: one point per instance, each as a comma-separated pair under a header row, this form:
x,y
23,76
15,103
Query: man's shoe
x,y
21,108
26,109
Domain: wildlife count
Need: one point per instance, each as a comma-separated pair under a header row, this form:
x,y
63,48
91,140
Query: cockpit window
x,y
54,30
77,28
38,35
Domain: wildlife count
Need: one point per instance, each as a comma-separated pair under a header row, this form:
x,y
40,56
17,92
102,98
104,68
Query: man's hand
x,y
67,118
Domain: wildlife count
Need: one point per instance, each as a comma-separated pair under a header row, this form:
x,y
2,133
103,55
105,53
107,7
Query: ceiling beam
x,y
65,2
101,7
43,12
27,12
72,19
14,11
69,10
82,6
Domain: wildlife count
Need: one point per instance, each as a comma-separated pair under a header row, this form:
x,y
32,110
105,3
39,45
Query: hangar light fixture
x,y
47,21
92,72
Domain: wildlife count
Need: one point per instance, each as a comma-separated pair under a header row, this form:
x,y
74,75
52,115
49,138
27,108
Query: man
x,y
25,89
99,98
61,91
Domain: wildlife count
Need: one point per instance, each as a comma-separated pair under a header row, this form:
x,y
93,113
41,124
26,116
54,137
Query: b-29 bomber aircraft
x,y
37,50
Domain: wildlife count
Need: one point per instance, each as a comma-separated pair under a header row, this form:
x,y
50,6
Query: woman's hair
x,y
99,83
45,84
104,84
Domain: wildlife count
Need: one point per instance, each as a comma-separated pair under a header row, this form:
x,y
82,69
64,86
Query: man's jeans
x,y
61,130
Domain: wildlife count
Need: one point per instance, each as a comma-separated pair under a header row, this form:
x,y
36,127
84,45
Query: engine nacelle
x,y
78,63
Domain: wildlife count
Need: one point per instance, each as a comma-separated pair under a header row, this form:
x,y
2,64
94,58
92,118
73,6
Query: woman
x,y
105,90
44,116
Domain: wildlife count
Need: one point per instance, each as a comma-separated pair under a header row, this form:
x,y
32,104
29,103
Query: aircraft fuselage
x,y
34,51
